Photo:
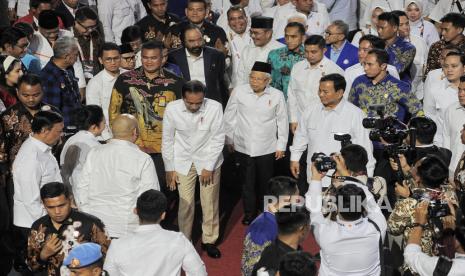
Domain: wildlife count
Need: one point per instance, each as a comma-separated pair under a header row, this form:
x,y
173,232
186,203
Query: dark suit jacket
x,y
348,56
214,67
65,14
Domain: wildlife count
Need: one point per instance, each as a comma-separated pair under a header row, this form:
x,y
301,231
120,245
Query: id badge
x,y
162,101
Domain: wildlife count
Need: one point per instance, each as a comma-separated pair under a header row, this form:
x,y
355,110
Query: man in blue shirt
x,y
338,49
401,52
59,83
283,59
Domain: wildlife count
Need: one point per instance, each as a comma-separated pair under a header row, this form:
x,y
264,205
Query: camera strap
x,y
443,266
381,248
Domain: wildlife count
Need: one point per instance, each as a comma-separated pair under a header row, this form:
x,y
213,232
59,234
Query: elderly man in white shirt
x,y
114,175
152,250
443,93
305,78
35,166
366,43
317,15
192,144
116,15
90,123
99,88
321,120
257,129
454,119
349,245
261,32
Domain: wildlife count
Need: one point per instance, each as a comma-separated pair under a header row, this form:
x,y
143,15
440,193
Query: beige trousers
x,y
209,197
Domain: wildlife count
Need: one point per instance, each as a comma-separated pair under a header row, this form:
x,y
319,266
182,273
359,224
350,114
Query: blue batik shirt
x,y
401,55
282,60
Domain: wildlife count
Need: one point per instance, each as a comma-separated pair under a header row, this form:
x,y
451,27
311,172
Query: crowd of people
x,y
345,119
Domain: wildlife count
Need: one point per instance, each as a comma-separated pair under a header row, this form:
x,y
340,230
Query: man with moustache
x,y
202,63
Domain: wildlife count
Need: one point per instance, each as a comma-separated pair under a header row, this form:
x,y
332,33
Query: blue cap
x,y
83,255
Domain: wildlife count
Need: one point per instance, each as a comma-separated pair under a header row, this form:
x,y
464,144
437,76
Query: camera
x,y
384,127
437,209
323,163
344,138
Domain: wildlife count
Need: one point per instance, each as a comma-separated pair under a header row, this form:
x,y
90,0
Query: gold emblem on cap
x,y
75,262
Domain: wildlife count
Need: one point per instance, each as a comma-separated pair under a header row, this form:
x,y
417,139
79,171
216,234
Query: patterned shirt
x,y
434,54
153,29
61,90
282,60
146,99
15,127
261,233
213,35
78,228
459,175
401,55
393,93
91,64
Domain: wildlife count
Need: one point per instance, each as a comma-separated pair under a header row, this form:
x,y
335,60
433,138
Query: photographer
x,y
426,265
352,161
349,245
428,180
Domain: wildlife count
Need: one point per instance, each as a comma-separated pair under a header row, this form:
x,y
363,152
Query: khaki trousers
x,y
209,197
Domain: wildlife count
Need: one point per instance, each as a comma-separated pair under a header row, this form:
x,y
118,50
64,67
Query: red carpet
x,y
231,247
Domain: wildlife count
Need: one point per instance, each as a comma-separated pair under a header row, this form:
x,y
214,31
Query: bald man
x,y
114,175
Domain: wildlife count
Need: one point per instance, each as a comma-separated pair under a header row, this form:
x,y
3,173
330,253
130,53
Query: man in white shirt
x,y
305,77
238,37
152,250
322,119
317,15
193,141
442,94
280,14
114,175
366,43
454,118
99,88
116,15
34,166
256,127
349,245
261,32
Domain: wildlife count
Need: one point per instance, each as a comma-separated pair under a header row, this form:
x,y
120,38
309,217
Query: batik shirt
x,y
261,233
393,93
434,54
15,127
78,228
213,35
459,175
153,29
282,60
401,55
146,99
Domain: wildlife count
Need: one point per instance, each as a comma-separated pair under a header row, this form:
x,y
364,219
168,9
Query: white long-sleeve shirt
x,y
305,83
116,15
151,250
317,19
316,129
250,54
237,44
34,166
22,8
256,125
444,7
425,265
438,96
98,92
280,16
74,155
347,248
356,70
416,71
193,137
343,10
454,119
114,175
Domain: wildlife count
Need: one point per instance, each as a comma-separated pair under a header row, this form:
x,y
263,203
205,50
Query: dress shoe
x,y
247,220
212,250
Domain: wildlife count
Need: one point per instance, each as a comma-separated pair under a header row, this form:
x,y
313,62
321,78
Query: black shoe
x,y
247,220
212,250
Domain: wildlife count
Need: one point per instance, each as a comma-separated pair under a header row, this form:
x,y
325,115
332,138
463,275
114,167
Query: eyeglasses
x,y
329,33
23,46
87,28
114,59
128,59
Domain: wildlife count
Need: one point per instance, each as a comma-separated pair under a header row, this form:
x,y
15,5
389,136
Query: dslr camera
x,y
384,127
437,209
324,163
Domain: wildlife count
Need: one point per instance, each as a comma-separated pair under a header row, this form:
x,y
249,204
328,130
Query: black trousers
x,y
255,172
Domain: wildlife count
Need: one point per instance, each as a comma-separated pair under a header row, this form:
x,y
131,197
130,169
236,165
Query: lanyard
x,y
389,4
91,52
422,28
